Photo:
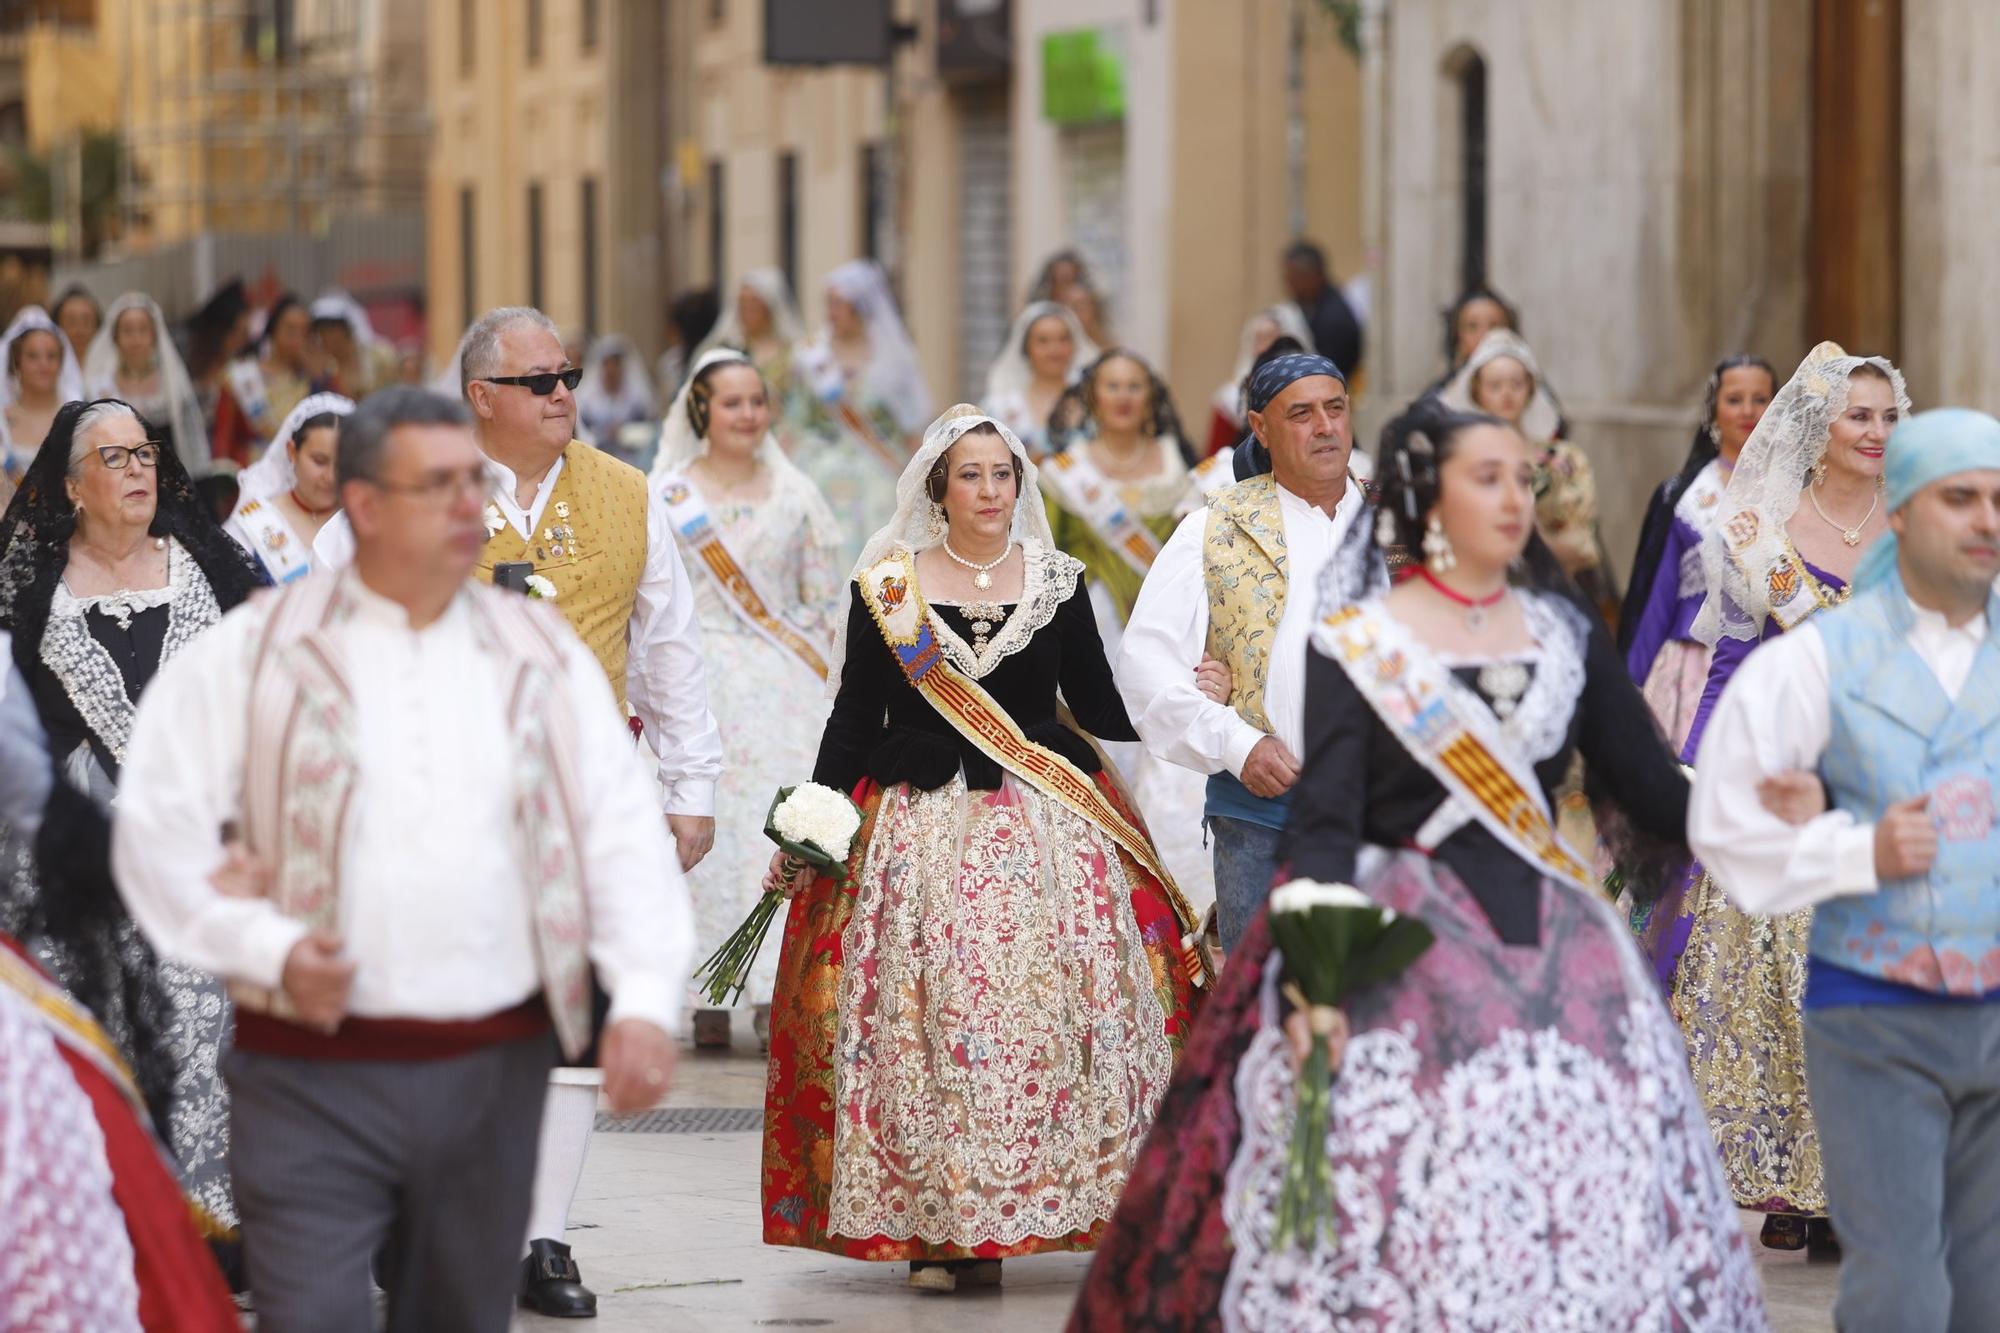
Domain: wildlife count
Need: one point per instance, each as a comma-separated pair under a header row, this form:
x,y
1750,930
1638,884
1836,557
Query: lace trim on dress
x,y
1588,1152
1048,579
1537,724
88,674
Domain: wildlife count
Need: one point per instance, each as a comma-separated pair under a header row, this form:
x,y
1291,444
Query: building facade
x,y
1208,148
546,163
1735,175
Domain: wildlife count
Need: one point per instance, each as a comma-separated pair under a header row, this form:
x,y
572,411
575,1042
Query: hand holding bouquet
x,y
1332,940
811,824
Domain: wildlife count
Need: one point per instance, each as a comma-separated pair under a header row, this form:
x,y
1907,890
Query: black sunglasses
x,y
544,384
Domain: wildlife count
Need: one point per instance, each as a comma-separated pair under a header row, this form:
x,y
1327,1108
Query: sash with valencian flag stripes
x,y
1450,731
900,612
689,516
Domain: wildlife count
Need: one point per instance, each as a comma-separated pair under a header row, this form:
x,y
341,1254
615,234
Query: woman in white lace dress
x,y
762,548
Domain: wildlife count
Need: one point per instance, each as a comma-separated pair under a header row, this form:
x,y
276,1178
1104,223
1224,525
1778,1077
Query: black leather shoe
x,y
551,1284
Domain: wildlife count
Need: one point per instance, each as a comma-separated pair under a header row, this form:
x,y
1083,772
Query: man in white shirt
x,y
1894,700
447,832
590,528
1239,581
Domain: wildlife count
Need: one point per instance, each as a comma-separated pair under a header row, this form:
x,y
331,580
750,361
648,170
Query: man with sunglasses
x,y
589,525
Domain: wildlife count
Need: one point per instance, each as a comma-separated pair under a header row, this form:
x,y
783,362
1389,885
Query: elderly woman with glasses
x,y
109,565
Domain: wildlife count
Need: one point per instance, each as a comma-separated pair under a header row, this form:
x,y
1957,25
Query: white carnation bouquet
x,y
810,823
1333,939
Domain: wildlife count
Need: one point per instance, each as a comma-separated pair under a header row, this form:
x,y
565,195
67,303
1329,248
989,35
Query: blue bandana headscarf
x,y
1277,375
1928,447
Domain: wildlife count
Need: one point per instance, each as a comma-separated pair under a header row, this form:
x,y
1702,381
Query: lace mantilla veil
x,y
910,528
100,378
274,473
680,446
1765,486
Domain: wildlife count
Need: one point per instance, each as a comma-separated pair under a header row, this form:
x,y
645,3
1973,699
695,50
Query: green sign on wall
x,y
1083,76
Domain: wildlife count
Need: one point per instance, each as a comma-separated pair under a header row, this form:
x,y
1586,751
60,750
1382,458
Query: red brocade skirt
x,y
970,1038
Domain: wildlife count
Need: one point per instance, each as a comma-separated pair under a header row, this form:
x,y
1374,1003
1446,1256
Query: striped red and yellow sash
x,y
901,614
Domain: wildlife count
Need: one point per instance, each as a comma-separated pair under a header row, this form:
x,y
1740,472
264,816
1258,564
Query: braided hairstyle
x,y
1410,460
1074,417
701,391
1702,450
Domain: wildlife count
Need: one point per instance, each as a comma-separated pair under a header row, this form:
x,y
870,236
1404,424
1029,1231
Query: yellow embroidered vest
x,y
1243,569
592,545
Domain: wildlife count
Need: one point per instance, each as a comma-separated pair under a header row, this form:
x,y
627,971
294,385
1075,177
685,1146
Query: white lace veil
x,y
448,381
1542,418
69,380
911,528
335,303
1291,322
184,417
1010,372
680,446
274,473
775,292
1765,486
894,375
634,398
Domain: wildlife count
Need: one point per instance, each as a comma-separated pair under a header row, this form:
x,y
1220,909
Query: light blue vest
x,y
1896,734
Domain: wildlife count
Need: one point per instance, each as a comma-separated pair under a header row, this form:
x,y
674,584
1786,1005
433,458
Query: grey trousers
x,y
434,1158
1907,1098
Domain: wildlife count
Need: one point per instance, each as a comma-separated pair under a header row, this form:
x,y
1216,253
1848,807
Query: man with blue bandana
x,y
1894,700
1239,581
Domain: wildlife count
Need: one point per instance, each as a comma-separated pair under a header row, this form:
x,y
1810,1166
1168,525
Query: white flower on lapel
x,y
494,521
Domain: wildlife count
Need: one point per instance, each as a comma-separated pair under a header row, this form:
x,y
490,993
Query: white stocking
x,y
567,1117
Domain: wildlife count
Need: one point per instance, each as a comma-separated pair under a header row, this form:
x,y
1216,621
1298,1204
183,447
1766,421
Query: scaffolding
x,y
268,115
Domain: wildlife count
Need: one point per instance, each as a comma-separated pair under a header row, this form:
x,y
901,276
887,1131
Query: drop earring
x,y
1819,470
936,525
1438,555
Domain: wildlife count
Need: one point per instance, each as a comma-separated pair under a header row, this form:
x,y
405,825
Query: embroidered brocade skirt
x,y
1735,984
1514,1140
968,1044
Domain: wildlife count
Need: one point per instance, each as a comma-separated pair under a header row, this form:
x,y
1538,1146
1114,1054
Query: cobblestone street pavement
x,y
665,1229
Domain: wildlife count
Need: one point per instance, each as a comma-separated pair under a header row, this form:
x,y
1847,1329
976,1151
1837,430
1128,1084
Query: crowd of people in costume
x,y
362,819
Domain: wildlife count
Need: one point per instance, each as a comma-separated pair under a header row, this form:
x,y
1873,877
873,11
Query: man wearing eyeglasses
x,y
587,523
446,835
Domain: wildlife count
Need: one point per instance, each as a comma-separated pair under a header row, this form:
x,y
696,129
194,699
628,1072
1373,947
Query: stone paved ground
x,y
665,1227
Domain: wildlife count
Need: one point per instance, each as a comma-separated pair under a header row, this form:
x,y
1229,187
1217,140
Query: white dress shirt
x,y
1168,632
1776,715
435,909
665,678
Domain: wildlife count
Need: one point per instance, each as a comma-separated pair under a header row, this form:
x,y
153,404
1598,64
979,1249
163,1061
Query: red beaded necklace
x,y
308,509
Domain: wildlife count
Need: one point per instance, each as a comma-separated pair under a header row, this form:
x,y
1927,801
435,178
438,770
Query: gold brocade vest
x,y
592,545
1243,569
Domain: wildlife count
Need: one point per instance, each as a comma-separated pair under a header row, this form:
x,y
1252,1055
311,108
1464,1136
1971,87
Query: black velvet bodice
x,y
1360,785
882,728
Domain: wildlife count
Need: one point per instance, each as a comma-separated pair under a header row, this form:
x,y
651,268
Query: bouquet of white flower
x,y
816,825
1333,939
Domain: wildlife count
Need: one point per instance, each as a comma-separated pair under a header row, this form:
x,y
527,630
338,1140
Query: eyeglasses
x,y
118,457
544,384
442,488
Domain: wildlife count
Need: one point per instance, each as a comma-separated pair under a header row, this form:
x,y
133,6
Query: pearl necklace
x,y
981,577
1852,536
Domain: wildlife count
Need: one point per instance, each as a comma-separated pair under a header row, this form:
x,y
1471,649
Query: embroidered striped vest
x,y
1896,734
592,545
